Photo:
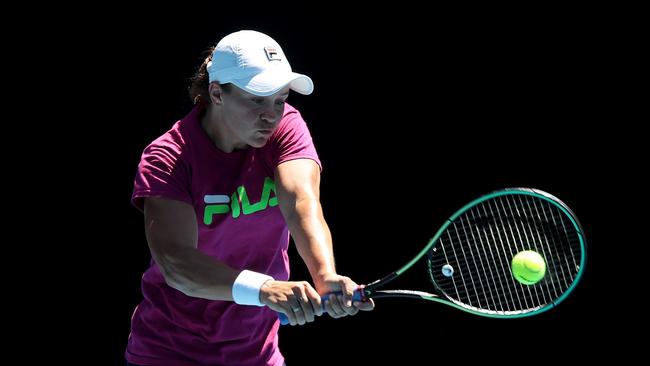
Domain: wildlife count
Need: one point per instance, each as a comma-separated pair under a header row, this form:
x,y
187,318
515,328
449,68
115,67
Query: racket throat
x,y
380,282
368,291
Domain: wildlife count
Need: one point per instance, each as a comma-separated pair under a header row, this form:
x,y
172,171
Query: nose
x,y
270,116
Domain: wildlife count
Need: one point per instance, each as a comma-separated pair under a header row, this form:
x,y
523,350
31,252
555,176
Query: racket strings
x,y
480,244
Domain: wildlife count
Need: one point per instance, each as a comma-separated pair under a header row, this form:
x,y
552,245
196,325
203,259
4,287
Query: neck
x,y
211,122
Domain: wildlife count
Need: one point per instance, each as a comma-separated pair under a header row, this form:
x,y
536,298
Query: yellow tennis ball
x,y
528,267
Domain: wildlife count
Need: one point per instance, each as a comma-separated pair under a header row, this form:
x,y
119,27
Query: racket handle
x,y
357,295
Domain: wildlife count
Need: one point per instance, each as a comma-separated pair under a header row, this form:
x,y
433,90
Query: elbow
x,y
177,281
170,268
302,207
170,274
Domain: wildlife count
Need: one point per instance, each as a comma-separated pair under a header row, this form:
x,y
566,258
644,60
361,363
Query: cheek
x,y
245,114
240,118
251,116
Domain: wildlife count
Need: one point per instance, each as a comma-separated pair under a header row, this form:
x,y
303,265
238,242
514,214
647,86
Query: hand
x,y
298,300
341,305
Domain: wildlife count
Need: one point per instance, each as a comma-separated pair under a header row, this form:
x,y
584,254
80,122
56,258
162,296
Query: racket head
x,y
479,241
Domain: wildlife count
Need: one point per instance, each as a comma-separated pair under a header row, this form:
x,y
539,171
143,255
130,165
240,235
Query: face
x,y
248,119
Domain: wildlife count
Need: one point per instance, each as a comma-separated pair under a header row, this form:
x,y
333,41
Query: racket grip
x,y
357,295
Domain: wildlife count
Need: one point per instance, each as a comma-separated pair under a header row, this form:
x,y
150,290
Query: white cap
x,y
255,63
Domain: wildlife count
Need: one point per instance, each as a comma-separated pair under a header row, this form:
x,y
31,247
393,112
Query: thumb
x,y
347,288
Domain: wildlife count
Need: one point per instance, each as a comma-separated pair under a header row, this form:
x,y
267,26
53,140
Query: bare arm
x,y
171,231
298,188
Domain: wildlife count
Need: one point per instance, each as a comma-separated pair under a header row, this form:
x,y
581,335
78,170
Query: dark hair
x,y
199,83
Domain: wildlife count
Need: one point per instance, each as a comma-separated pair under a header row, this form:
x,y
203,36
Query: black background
x,y
414,113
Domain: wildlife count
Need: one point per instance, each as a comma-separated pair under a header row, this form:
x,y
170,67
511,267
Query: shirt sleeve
x,y
293,140
162,172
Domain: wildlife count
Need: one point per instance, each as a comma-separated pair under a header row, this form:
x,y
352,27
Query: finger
x,y
290,315
300,316
297,312
347,310
334,308
306,311
347,288
291,306
365,305
315,300
341,307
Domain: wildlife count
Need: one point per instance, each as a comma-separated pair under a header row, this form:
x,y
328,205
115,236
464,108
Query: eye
x,y
257,100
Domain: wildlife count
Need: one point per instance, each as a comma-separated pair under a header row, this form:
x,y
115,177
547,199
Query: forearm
x,y
171,231
312,238
297,184
196,274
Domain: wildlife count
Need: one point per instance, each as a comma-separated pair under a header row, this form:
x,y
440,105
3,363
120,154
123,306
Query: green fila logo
x,y
238,203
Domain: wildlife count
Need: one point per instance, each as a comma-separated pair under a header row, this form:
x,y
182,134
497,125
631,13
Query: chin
x,y
257,143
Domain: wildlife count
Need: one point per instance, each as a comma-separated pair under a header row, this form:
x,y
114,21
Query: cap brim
x,y
269,83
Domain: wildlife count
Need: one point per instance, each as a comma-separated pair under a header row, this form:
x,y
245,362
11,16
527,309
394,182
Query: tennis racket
x,y
470,258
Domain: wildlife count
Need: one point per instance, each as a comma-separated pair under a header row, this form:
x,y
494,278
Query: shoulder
x,y
176,140
292,120
171,142
290,110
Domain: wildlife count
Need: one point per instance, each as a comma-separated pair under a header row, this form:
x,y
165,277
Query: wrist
x,y
323,279
246,288
326,276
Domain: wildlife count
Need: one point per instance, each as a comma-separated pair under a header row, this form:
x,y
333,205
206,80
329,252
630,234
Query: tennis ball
x,y
447,270
528,267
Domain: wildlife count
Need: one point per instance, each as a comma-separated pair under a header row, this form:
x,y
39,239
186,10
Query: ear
x,y
216,93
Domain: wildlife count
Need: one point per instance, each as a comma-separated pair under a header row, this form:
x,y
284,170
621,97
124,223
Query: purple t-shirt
x,y
239,223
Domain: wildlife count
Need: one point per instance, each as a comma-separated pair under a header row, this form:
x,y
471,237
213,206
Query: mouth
x,y
265,132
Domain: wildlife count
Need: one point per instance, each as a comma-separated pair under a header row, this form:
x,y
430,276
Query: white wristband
x,y
246,289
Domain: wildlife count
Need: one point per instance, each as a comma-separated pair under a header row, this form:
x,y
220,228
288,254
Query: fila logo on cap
x,y
272,54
